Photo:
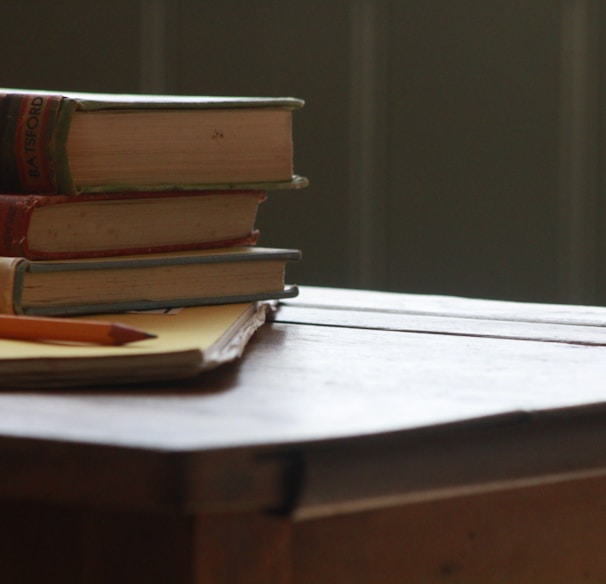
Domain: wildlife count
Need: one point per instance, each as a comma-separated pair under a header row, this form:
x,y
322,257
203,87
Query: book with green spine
x,y
69,143
143,282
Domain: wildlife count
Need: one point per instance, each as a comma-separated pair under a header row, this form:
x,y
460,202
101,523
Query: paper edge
x,y
233,343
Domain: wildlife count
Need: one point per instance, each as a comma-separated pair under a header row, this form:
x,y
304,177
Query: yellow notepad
x,y
191,341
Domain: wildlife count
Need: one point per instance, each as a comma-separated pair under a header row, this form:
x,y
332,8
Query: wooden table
x,y
363,438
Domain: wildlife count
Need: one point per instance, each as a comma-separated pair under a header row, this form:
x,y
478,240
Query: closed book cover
x,y
63,142
188,342
42,227
139,282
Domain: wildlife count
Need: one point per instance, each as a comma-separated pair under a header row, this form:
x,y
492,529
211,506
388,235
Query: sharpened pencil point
x,y
121,334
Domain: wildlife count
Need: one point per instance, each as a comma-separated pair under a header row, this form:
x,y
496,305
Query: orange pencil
x,y
33,328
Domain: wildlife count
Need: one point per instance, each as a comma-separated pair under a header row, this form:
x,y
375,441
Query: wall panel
x,y
452,146
92,46
474,184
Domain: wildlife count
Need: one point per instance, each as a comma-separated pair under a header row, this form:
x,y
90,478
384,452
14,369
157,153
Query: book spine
x,y
15,215
16,211
32,143
8,270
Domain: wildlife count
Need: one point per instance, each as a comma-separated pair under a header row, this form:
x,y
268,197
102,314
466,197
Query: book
x,y
139,282
63,142
193,340
42,227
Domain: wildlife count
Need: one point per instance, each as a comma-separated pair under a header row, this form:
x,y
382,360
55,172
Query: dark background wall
x,y
453,146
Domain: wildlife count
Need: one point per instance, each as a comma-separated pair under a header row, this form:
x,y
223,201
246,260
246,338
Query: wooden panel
x,y
70,45
551,533
70,545
245,548
581,170
474,186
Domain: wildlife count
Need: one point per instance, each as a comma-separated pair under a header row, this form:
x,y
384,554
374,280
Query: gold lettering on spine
x,y
31,143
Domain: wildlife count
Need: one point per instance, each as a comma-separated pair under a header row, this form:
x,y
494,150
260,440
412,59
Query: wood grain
x,y
548,533
362,434
297,385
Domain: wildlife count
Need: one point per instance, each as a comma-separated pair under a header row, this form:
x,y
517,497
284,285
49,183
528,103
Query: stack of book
x,y
118,202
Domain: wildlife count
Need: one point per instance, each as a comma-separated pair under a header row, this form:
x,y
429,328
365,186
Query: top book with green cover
x,y
70,143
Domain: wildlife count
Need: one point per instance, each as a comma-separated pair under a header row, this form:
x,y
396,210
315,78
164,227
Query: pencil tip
x,y
122,334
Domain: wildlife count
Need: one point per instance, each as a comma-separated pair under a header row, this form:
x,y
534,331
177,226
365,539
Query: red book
x,y
44,227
